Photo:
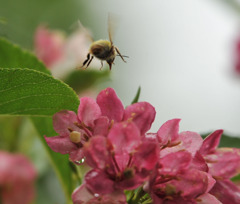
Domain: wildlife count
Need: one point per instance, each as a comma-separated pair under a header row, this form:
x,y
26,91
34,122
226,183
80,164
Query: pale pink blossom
x,y
17,176
61,53
49,45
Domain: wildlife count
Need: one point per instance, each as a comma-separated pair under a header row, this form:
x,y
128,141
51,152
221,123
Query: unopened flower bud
x,y
75,136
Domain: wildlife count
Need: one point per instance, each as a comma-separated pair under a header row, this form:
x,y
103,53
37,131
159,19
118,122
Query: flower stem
x,y
140,197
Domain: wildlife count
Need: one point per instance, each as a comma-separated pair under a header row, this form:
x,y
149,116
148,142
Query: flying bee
x,y
104,50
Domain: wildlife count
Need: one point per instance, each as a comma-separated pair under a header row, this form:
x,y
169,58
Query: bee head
x,y
110,62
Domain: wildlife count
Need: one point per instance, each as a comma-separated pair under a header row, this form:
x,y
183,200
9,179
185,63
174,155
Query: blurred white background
x,y
182,55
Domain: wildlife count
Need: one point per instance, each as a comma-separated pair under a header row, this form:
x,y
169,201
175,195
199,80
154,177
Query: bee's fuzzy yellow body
x,y
103,50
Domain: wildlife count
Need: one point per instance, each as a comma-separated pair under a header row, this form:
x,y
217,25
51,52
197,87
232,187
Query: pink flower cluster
x,y
61,53
172,167
17,176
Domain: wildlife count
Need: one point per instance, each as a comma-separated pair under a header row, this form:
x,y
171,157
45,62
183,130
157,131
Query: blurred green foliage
x,y
60,162
227,140
136,98
19,19
14,56
81,80
29,92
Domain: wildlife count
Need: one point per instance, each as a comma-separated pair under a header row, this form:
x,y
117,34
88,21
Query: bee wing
x,y
85,30
113,20
79,26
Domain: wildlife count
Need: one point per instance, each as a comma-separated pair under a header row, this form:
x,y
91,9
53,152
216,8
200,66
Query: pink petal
x,y
88,111
64,120
82,196
190,141
226,192
147,155
172,200
192,183
76,155
174,163
199,162
142,114
156,199
224,163
48,45
117,197
17,176
99,182
110,105
101,126
211,182
122,161
211,142
207,199
96,152
168,132
125,137
61,144
132,183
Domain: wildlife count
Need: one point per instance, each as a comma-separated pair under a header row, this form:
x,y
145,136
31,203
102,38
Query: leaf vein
x,y
36,95
3,90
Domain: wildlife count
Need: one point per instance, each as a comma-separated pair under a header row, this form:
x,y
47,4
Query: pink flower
x,y
176,181
120,161
170,140
17,176
181,175
95,118
193,170
49,45
223,163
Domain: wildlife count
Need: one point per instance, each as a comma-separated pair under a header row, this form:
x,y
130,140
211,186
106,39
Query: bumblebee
x,y
104,50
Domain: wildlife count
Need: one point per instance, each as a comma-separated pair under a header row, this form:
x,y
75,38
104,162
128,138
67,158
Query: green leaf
x,y
12,56
60,162
136,98
29,92
227,141
80,80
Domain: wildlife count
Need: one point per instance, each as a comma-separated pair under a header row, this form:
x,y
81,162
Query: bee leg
x,y
90,60
119,54
101,65
88,57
